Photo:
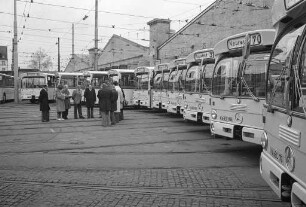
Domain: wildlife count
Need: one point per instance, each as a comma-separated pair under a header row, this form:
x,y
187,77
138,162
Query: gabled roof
x,y
188,24
125,40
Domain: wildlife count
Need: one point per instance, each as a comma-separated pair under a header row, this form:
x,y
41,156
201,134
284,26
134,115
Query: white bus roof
x,y
236,42
111,71
144,69
67,73
96,72
284,11
198,55
3,74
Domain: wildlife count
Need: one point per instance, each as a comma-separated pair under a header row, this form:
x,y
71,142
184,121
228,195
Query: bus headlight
x,y
264,140
212,128
289,158
168,102
186,106
214,114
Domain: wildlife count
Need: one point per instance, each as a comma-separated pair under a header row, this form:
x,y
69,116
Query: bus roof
x,y
236,42
198,55
33,74
95,72
161,67
111,71
68,73
284,11
144,69
2,74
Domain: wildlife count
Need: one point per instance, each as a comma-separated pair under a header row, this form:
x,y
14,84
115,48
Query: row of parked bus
x,y
250,86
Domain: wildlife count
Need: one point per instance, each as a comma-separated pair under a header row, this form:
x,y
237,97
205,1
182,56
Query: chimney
x,y
159,33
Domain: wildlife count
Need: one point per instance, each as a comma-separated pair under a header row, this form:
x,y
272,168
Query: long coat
x,y
105,95
67,98
114,99
90,97
60,101
120,98
43,100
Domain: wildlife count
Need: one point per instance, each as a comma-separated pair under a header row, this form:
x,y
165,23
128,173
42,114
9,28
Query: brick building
x,y
218,21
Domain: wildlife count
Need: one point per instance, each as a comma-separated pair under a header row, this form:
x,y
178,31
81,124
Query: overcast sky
x,y
50,19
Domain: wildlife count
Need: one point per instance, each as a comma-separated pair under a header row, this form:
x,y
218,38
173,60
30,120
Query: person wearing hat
x,y
44,104
60,102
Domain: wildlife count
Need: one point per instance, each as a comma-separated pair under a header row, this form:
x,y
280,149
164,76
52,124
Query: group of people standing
x,y
111,99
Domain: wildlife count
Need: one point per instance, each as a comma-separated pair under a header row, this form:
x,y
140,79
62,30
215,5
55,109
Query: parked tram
x,y
6,88
32,82
176,85
238,85
142,95
125,78
96,78
283,159
198,86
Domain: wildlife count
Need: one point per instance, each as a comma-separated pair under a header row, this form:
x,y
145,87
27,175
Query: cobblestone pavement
x,y
139,164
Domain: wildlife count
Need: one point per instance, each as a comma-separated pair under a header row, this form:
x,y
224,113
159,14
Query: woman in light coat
x,y
119,101
60,102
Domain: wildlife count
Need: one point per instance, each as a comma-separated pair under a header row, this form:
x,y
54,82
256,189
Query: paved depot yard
x,y
149,159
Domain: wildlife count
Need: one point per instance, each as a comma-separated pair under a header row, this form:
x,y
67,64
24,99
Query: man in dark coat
x,y
90,96
105,95
44,104
113,104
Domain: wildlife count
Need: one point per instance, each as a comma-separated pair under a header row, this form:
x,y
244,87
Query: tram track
x,y
181,192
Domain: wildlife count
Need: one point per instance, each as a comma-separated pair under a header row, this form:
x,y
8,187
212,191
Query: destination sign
x,y
291,3
204,54
239,42
180,62
162,67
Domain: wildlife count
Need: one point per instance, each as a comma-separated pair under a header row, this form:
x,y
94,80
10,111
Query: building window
x,y
3,62
3,69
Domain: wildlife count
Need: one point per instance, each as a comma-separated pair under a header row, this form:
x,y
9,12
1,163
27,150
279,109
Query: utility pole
x,y
96,37
72,40
58,55
16,78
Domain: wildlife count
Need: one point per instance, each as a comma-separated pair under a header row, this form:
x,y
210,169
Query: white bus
x,y
142,93
125,78
32,82
96,78
176,85
72,80
238,85
6,88
283,159
157,86
198,86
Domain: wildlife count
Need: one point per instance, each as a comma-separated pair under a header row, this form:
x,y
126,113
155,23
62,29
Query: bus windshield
x,y
33,82
69,80
176,78
279,68
207,77
98,79
158,81
142,81
192,82
227,81
127,80
166,75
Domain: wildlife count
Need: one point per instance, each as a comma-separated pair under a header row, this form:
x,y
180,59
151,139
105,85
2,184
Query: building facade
x,y
3,59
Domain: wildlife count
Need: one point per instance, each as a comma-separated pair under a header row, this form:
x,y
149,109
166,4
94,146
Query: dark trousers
x,y
90,112
112,117
59,114
45,116
78,110
65,114
117,117
121,117
105,118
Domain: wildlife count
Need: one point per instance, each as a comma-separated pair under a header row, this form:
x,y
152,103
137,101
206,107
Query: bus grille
x,y
290,135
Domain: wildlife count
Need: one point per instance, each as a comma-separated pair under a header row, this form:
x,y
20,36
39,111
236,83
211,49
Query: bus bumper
x,y
251,135
156,105
190,115
145,104
222,129
173,109
298,195
164,106
206,117
271,173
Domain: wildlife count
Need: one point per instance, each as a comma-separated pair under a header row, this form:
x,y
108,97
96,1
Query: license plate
x,y
278,156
